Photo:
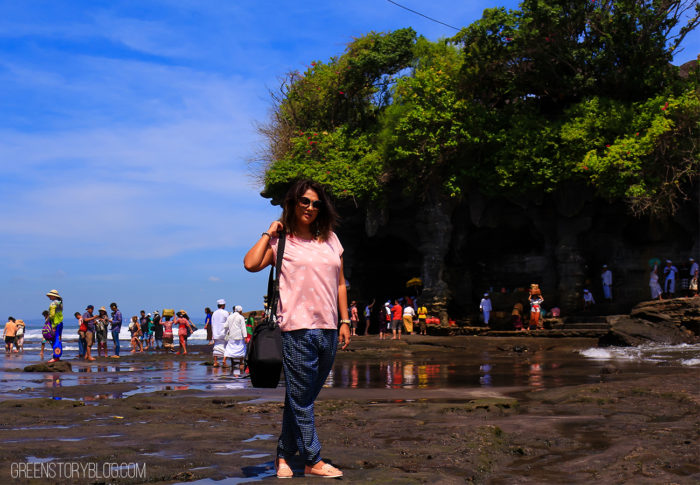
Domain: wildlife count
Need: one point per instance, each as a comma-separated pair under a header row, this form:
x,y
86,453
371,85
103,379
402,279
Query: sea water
x,y
660,354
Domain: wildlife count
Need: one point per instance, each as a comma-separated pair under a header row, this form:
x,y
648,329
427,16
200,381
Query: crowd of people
x,y
228,333
688,277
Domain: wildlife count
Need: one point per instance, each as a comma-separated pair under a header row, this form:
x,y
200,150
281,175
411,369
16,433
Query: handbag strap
x,y
273,284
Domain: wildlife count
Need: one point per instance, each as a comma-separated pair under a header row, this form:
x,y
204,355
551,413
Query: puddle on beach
x,y
255,473
536,370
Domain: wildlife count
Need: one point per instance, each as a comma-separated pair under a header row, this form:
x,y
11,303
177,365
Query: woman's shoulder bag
x,y
264,352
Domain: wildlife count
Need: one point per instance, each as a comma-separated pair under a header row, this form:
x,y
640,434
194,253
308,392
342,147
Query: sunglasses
x,y
306,202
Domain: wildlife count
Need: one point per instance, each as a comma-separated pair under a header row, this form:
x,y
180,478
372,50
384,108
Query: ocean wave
x,y
683,354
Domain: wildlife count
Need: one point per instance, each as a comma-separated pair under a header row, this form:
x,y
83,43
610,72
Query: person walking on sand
x,y
218,325
536,301
207,325
45,314
396,320
354,318
235,334
9,334
135,330
607,281
82,341
183,324
101,329
19,335
307,315
368,315
157,331
654,286
486,308
115,327
56,319
89,321
408,314
168,334
422,319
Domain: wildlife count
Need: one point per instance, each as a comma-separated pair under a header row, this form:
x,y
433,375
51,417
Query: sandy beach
x,y
420,410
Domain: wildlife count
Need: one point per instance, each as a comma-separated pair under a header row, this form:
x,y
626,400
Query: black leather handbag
x,y
264,353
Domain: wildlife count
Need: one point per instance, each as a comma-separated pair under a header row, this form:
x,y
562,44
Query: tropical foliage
x,y
518,103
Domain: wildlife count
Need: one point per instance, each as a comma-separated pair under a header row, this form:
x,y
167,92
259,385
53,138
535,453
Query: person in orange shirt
x,y
9,334
396,319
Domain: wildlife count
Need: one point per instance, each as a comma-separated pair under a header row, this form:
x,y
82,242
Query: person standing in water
x,y
313,294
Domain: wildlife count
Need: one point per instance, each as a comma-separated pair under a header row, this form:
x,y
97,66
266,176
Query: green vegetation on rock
x,y
519,103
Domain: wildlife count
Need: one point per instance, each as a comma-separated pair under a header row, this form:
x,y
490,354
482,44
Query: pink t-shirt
x,y
309,283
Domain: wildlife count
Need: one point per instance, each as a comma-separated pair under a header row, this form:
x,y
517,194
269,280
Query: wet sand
x,y
422,410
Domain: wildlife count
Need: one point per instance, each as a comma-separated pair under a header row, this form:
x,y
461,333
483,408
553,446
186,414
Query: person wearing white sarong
x,y
235,334
218,327
670,272
485,307
654,285
606,279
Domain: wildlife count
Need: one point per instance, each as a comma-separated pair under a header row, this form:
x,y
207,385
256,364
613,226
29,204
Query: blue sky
x,y
126,131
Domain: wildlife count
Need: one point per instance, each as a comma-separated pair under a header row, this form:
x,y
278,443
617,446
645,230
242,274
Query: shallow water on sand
x,y
516,368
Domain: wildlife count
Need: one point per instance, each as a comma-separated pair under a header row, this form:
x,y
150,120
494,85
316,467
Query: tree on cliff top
x,y
518,103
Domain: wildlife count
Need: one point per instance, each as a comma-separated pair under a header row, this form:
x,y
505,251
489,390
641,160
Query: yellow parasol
x,y
414,282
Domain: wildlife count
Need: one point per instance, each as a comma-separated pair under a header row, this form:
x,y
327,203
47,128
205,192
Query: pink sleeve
x,y
335,244
273,244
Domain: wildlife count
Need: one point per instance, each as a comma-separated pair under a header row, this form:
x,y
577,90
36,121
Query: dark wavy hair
x,y
327,218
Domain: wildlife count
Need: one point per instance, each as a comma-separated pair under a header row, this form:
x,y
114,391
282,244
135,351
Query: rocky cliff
x,y
461,249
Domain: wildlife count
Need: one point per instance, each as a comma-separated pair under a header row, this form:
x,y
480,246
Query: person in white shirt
x,y
234,334
606,278
588,300
670,272
485,307
218,327
408,314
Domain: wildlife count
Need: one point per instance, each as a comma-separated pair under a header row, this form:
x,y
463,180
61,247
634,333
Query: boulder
x,y
673,321
60,366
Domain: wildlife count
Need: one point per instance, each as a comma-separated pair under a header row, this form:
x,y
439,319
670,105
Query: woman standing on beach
x,y
56,318
312,293
135,330
183,324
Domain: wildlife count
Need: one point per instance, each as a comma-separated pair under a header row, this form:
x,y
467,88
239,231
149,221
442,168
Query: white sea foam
x,y
683,354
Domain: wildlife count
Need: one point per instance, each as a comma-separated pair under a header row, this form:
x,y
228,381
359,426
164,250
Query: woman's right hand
x,y
275,228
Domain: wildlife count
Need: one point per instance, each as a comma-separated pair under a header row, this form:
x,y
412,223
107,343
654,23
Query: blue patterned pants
x,y
308,356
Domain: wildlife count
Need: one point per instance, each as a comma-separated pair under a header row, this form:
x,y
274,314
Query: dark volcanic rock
x,y
60,366
672,321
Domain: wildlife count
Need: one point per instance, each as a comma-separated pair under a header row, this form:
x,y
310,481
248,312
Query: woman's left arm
x,y
344,330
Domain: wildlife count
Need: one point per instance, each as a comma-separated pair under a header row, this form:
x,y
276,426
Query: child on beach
x,y
44,314
135,330
82,328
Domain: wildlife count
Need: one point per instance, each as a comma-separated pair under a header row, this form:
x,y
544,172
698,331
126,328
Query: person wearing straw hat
x,y
56,319
183,324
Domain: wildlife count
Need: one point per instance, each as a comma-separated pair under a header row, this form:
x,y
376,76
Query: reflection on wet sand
x,y
535,372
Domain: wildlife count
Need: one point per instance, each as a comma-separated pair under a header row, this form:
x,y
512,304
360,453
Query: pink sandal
x,y
283,470
324,471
